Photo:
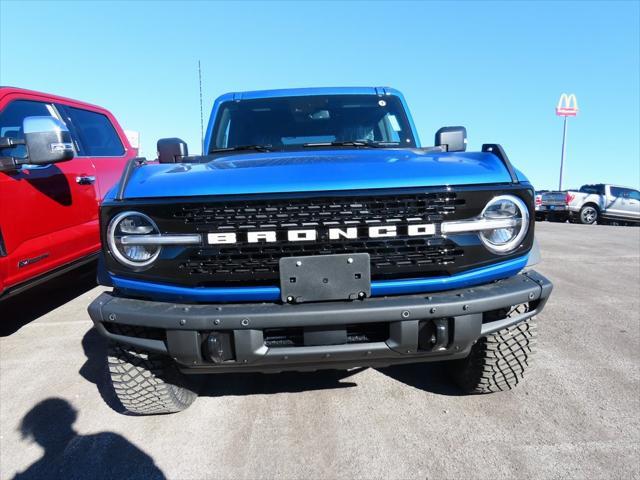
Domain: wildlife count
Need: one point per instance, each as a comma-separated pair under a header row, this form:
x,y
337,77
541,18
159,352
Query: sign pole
x,y
564,140
567,107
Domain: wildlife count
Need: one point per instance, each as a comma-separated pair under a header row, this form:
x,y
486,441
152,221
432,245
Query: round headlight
x,y
130,224
510,216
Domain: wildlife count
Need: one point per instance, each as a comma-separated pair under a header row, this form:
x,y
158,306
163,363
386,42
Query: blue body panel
x,y
164,292
316,170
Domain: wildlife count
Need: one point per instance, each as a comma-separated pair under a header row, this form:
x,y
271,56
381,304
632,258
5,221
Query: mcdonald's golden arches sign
x,y
567,105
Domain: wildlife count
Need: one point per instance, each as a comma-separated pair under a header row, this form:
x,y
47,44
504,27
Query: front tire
x,y
498,361
589,215
146,383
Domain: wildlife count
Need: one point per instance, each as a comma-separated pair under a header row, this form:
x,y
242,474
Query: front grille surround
x,y
244,264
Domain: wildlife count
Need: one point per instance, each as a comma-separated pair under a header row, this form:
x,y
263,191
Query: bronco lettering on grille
x,y
310,234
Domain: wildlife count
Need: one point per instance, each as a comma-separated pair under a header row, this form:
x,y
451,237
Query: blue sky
x,y
497,68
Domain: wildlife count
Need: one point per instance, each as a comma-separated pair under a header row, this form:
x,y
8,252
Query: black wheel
x,y
148,384
589,214
498,361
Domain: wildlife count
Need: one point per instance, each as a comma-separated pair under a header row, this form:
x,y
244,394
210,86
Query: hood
x,y
316,170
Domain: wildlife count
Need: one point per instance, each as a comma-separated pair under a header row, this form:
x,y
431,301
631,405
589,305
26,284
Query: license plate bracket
x,y
325,277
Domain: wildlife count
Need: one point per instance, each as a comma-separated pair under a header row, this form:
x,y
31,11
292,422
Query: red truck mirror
x,y
48,140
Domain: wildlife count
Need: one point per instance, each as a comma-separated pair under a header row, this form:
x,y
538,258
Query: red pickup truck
x,y
58,158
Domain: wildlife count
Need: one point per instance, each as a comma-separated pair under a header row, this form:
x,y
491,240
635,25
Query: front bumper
x,y
427,327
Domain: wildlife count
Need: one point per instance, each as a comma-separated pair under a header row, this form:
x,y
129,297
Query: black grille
x,y
327,211
243,263
259,262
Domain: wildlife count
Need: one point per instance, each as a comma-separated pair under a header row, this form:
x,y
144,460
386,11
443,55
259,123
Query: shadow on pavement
x,y
95,371
69,455
95,368
222,384
430,377
16,312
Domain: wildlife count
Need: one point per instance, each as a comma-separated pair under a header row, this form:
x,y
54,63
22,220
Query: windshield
x,y
289,123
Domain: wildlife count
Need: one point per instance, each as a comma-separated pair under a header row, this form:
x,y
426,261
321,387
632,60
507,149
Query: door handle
x,y
85,179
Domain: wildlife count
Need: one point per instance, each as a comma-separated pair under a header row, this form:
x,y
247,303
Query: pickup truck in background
x,y
603,203
553,205
58,159
540,211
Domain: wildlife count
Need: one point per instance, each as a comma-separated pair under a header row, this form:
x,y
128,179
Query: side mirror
x,y
171,150
452,139
48,140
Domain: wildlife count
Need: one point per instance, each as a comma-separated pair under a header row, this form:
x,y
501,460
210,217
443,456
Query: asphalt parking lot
x,y
577,414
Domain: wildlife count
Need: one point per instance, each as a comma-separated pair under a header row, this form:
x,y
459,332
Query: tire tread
x,y
147,384
497,362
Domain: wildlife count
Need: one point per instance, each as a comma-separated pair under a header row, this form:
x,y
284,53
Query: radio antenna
x,y
201,115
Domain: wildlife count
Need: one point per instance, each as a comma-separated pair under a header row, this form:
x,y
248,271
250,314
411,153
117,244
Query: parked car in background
x,y
58,159
603,203
540,212
554,206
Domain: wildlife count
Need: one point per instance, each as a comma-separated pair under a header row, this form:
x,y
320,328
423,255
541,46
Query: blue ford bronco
x,y
316,233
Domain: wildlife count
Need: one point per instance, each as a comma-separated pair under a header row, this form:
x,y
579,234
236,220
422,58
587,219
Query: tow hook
x,y
441,334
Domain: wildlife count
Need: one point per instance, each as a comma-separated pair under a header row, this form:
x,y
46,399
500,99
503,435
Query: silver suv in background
x,y
603,203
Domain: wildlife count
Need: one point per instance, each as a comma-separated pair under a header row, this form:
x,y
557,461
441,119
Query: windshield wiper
x,y
353,143
238,148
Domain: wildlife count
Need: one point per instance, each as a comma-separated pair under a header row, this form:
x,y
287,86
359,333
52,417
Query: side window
x,y
627,192
97,136
617,192
634,194
11,119
597,189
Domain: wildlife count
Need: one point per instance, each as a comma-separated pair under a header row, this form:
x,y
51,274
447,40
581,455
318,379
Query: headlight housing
x,y
128,224
510,216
